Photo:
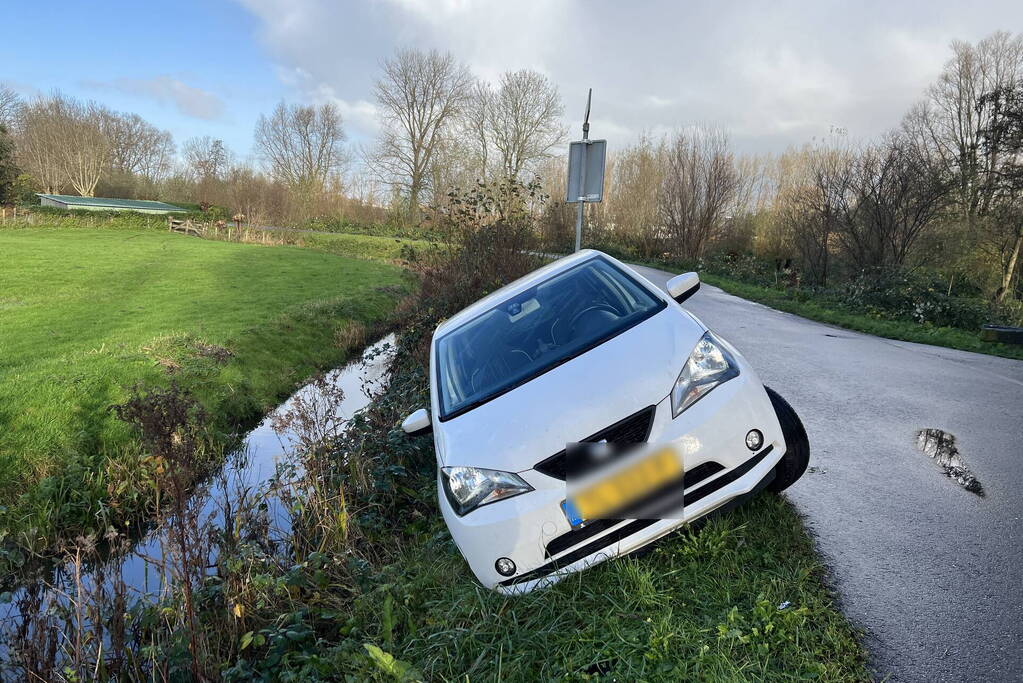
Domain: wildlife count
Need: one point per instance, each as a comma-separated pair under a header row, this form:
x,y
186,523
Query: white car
x,y
586,350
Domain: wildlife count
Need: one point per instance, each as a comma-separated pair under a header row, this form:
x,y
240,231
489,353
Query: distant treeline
x,y
941,192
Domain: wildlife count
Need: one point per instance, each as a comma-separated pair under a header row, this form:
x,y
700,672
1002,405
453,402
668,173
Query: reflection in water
x,y
145,570
941,447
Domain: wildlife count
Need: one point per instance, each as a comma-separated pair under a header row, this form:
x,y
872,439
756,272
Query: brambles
x,y
173,426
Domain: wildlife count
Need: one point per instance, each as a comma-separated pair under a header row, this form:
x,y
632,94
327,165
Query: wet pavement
x,y
930,571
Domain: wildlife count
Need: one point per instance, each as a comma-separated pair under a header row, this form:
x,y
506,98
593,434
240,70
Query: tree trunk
x,y
1010,269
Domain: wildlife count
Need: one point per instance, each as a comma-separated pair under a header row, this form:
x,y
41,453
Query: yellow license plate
x,y
628,486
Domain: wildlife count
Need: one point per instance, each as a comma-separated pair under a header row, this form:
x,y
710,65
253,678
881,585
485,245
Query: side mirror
x,y
683,286
418,423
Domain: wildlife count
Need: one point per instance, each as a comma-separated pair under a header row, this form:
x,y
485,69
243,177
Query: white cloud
x,y
358,115
787,93
771,74
188,100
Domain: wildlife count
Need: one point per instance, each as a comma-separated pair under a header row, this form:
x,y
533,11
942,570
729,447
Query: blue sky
x,y
771,74
191,67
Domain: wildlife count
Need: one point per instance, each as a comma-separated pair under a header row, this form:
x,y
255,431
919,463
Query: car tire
x,y
797,446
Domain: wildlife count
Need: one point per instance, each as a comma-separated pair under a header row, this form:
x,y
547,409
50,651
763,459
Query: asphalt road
x,y
932,573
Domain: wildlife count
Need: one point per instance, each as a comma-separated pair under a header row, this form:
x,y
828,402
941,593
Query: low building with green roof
x,y
64,201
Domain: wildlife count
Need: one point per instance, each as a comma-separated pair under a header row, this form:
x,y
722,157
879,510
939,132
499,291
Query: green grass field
x,y
86,313
362,246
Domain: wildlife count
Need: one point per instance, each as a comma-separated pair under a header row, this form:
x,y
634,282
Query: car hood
x,y
515,431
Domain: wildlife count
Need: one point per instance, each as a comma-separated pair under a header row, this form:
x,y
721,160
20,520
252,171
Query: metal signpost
x,y
585,172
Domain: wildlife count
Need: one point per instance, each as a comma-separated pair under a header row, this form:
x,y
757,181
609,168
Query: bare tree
x,y
897,195
633,195
85,147
524,120
207,158
10,107
815,200
158,158
948,124
137,147
474,127
420,94
61,142
454,165
254,195
1003,229
700,182
302,145
39,145
208,161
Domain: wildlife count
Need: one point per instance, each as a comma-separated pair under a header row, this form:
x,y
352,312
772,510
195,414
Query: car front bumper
x,y
522,528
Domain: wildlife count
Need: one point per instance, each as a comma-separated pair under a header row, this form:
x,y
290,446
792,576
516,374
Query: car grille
x,y
633,429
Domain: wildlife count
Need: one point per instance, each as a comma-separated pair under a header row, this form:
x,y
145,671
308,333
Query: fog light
x,y
754,439
504,566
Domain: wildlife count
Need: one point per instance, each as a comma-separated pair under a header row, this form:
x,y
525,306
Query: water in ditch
x,y
253,470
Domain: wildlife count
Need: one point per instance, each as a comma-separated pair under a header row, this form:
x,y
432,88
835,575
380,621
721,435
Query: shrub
x,y
383,228
1008,312
905,295
490,241
742,267
923,297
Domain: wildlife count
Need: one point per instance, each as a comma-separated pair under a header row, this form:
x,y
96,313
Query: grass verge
x,y
741,598
826,312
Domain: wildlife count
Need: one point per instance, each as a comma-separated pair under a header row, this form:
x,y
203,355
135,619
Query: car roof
x,y
514,288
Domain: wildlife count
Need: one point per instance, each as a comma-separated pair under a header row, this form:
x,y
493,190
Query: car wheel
x,y
797,446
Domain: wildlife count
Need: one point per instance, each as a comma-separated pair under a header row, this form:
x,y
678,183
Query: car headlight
x,y
709,365
468,488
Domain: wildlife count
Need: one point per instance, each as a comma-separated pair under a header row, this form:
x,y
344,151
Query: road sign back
x,y
586,171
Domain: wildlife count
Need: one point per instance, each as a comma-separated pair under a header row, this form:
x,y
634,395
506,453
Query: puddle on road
x,y
940,446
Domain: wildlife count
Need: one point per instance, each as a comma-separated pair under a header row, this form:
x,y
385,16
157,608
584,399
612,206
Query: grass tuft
x,y
741,598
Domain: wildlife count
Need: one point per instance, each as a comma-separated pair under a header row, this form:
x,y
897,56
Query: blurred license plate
x,y
629,485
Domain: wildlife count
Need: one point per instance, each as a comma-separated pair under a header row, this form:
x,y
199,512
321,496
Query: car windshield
x,y
529,334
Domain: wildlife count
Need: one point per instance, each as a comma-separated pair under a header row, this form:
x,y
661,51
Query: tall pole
x,y
582,176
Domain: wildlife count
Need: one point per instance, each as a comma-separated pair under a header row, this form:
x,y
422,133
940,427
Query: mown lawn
x,y
87,313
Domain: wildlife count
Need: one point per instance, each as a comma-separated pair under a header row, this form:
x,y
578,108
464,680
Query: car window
x,y
536,330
